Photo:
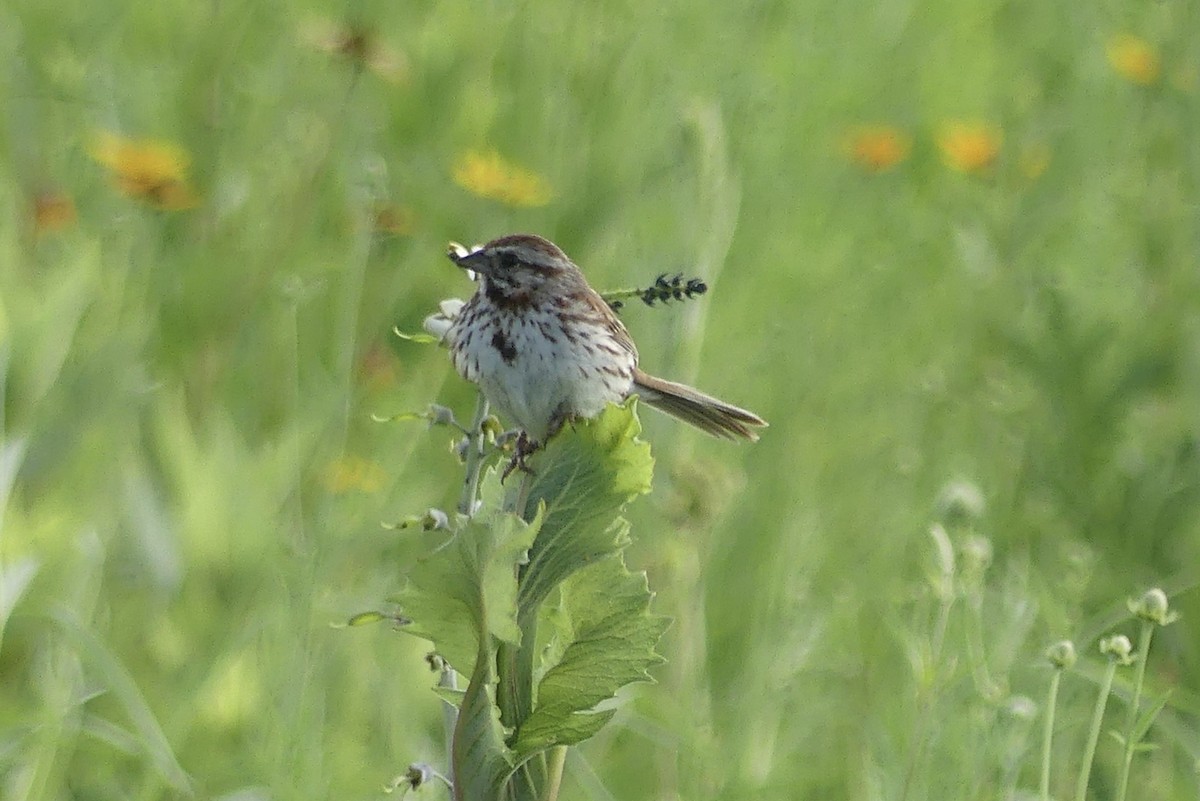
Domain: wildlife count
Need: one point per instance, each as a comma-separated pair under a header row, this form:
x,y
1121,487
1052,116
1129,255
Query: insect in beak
x,y
474,260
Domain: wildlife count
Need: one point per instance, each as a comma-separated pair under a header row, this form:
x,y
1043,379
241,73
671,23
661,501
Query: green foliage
x,y
193,475
480,757
465,592
603,639
478,597
583,482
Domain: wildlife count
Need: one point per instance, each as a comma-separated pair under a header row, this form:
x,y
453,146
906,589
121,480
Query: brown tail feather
x,y
712,416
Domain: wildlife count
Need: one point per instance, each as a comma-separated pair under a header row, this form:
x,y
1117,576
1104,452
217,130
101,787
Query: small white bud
x,y
440,415
961,502
1022,707
435,520
942,575
438,325
1061,654
1117,648
1154,607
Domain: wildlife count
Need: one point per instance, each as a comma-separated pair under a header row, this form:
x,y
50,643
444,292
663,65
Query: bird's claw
x,y
524,447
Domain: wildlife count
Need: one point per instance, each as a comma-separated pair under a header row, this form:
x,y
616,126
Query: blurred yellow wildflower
x,y
357,45
969,146
378,369
1134,59
876,148
393,219
488,175
149,170
353,473
53,211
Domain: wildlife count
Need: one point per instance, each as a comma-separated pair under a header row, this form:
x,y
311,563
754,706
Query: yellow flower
x,y
149,170
488,175
353,473
53,211
393,219
876,148
357,45
1134,59
969,146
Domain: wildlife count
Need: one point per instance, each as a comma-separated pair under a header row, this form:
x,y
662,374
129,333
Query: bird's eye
x,y
508,260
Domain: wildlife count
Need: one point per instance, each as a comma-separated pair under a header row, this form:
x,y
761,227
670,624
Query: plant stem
x,y
475,453
449,678
1089,754
927,695
1132,718
514,667
1048,733
514,663
558,758
977,650
466,506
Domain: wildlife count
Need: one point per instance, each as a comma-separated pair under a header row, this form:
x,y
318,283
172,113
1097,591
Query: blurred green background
x,y
952,250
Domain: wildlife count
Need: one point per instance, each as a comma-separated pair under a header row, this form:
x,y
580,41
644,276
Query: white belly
x,y
537,382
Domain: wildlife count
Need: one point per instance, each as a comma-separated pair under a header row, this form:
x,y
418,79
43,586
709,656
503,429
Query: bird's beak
x,y
471,260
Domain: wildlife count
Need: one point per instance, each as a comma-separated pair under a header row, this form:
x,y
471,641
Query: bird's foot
x,y
523,448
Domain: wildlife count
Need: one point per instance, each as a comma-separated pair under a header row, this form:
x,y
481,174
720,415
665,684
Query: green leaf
x,y
399,417
469,585
482,762
366,618
1142,727
420,339
121,685
585,477
606,638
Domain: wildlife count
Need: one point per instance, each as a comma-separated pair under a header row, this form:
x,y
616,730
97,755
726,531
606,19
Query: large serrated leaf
x,y
584,477
608,636
482,762
469,585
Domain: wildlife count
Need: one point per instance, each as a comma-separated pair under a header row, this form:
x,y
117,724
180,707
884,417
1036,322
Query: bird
x,y
546,349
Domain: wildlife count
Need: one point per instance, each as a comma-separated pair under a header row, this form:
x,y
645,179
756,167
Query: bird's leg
x,y
523,448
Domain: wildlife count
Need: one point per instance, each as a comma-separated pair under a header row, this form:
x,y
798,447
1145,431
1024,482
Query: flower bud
x,y
431,520
435,520
1118,649
1022,707
961,503
491,428
1153,607
942,575
1061,655
441,416
418,773
437,325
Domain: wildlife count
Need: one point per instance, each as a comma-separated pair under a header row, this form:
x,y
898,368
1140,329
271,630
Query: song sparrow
x,y
545,348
